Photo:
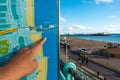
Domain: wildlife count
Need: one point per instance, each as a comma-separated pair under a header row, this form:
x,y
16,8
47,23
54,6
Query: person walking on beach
x,y
83,61
98,73
79,61
87,61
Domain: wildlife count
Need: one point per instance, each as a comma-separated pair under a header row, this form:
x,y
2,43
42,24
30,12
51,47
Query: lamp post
x,y
66,51
66,48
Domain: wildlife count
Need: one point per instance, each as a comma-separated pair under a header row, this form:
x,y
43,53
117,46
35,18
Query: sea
x,y
113,38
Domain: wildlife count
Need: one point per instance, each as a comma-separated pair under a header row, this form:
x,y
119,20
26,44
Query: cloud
x,y
72,29
112,17
62,19
112,28
76,29
103,1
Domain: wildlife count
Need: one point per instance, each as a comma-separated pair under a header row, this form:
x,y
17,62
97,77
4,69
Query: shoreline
x,y
98,40
108,39
77,42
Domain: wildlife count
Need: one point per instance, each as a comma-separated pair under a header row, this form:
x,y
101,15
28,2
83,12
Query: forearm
x,y
7,74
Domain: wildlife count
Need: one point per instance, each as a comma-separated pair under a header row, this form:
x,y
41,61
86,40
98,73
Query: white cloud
x,y
103,1
73,29
112,28
112,17
81,27
70,28
62,19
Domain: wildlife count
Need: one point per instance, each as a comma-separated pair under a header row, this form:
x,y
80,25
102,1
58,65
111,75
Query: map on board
x,y
23,22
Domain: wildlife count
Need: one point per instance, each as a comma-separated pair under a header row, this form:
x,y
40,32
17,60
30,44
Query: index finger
x,y
37,46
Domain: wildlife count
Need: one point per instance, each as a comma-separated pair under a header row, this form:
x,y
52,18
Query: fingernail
x,y
44,38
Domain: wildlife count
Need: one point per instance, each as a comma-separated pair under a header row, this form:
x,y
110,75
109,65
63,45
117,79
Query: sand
x,y
112,63
76,43
91,44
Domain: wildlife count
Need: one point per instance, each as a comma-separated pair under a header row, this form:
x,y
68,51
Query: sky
x,y
89,16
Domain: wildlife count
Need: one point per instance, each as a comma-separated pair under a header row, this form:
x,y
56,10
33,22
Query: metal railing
x,y
68,71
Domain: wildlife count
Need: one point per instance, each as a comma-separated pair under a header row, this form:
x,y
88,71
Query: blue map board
x,y
22,22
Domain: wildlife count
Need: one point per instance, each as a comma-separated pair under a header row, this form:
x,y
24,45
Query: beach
x,y
76,43
111,63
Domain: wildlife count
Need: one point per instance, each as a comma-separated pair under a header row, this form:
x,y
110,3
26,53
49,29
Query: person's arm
x,y
22,64
7,74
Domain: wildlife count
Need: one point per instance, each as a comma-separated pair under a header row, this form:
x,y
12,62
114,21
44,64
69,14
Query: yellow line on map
x,y
8,31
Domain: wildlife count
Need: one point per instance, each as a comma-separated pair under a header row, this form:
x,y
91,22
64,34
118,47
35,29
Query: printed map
x,y
23,22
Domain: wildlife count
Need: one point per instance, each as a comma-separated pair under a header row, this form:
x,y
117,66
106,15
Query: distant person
x,y
83,60
87,61
79,61
98,73
22,64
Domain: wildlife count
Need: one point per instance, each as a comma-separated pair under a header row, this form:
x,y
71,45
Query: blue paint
x,y
46,12
21,42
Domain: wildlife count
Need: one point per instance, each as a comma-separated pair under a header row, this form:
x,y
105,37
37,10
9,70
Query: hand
x,y
22,64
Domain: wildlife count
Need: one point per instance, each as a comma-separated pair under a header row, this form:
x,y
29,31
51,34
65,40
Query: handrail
x,y
70,70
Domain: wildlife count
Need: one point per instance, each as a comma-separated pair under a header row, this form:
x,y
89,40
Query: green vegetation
x,y
4,43
4,47
3,50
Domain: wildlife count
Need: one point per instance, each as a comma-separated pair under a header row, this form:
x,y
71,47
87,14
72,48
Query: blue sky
x,y
89,16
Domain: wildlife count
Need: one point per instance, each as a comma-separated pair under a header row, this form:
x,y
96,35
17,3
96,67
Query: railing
x,y
68,71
